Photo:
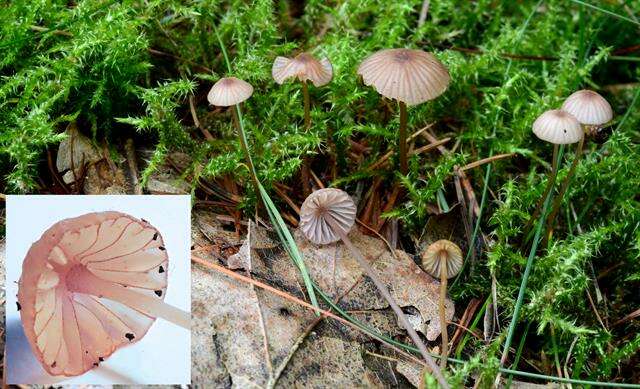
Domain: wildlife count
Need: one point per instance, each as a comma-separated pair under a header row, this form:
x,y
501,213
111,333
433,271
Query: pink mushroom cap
x,y
79,284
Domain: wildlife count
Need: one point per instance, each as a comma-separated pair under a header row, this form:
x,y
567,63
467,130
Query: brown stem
x,y
403,138
245,149
81,280
307,106
563,190
435,370
550,182
306,188
443,319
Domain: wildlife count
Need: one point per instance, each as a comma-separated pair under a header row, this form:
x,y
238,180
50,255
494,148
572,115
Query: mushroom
x,y
559,128
231,91
326,216
442,259
304,67
409,76
91,285
592,111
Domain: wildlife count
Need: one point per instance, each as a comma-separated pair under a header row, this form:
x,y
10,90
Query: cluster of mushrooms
x,y
582,114
410,77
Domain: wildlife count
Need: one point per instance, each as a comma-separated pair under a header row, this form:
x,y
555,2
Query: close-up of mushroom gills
x,y
98,292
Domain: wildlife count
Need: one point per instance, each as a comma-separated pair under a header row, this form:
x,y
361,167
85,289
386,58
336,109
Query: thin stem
x,y
307,106
443,319
83,281
392,302
245,148
563,189
306,188
403,139
550,182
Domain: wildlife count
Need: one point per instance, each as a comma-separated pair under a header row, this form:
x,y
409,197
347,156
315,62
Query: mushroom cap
x,y
588,107
70,332
439,252
410,76
558,127
319,206
304,67
229,91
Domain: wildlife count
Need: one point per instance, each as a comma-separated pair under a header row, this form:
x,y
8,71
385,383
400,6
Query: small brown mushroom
x,y
558,128
304,67
326,216
443,259
588,107
231,91
591,110
409,76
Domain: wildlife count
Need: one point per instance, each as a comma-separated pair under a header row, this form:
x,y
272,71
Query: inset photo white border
x,y
163,355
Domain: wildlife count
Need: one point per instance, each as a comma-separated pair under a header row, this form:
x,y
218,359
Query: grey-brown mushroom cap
x,y
321,205
558,127
304,67
229,91
439,253
409,76
588,107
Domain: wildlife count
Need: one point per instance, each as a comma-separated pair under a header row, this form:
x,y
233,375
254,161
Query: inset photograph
x,y
98,290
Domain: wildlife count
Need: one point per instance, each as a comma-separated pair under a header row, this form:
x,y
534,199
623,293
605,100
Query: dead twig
x,y
423,13
130,152
196,121
486,160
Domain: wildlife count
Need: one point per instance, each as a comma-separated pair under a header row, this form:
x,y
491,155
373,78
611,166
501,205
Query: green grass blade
x,y
605,11
281,228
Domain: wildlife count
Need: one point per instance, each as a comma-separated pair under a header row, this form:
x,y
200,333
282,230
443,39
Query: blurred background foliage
x,y
127,68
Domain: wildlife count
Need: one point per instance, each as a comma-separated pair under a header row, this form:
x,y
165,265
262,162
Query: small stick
x,y
133,165
423,13
486,160
196,121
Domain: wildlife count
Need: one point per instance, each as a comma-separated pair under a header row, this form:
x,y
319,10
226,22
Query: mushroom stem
x,y
307,105
443,318
550,182
435,370
563,190
403,138
306,189
245,148
81,280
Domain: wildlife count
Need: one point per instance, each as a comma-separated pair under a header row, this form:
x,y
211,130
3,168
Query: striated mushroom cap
x,y
442,253
304,67
588,107
323,204
71,332
229,91
410,76
558,127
